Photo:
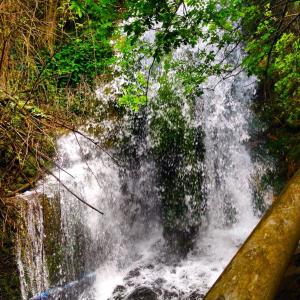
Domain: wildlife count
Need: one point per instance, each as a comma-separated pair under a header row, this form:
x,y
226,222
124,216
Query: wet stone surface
x,y
170,295
142,293
196,296
133,273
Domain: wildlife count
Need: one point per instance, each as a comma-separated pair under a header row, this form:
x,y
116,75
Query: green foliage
x,y
286,68
81,59
269,31
56,53
273,54
183,28
174,24
86,51
133,94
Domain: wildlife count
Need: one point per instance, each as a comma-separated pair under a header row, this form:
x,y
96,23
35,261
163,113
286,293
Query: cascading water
x,y
125,250
227,160
30,250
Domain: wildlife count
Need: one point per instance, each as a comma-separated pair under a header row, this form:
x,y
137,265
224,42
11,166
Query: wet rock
x,y
196,295
170,295
118,293
149,266
119,289
142,293
133,273
130,283
159,281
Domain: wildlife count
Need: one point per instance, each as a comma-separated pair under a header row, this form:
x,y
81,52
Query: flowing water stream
x,y
125,252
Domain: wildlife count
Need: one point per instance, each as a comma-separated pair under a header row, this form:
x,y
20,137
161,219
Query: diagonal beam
x,y
256,271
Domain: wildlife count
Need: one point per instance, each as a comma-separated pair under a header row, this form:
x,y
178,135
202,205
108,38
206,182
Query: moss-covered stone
x,y
178,151
9,275
52,237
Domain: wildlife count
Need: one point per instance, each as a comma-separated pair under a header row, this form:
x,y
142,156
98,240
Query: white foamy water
x,y
30,252
125,248
230,217
228,164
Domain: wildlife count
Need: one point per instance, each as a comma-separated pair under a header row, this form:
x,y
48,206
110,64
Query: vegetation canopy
x,y
269,32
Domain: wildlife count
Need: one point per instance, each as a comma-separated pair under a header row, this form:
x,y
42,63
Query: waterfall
x,y
228,164
30,251
125,251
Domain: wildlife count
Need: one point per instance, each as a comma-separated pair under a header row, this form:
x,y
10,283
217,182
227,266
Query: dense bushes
x,y
87,51
271,33
51,54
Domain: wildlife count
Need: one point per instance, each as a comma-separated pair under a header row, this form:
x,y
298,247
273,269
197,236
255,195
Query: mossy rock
x,y
9,274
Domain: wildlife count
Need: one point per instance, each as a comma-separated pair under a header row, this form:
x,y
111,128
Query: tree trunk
x,y
257,269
